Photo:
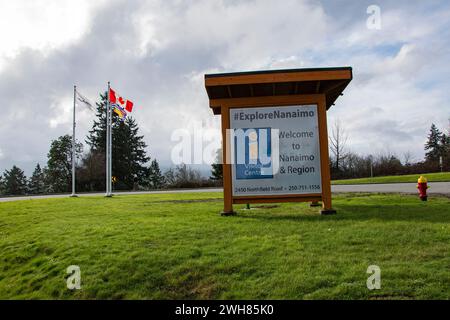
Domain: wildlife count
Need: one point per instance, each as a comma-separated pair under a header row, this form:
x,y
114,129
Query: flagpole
x,y
73,142
110,149
108,129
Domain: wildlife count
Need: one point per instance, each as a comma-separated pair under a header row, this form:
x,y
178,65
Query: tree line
x,y
133,169
345,164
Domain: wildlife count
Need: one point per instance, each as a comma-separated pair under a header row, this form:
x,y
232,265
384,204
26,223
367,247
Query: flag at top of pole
x,y
116,99
120,106
82,100
78,99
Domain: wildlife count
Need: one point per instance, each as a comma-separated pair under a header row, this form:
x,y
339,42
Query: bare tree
x,y
338,141
370,163
407,158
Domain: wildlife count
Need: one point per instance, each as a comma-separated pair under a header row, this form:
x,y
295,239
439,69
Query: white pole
x,y
108,193
73,143
110,149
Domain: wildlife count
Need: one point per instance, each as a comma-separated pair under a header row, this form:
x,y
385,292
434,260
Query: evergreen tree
x,y
15,182
2,183
59,164
97,135
433,145
217,168
445,144
128,147
155,176
96,170
36,184
445,151
169,177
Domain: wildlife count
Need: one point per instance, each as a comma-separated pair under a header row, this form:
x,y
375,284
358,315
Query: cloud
x,y
156,54
42,25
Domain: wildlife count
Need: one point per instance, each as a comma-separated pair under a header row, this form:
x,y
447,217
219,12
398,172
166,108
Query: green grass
x,y
431,177
174,246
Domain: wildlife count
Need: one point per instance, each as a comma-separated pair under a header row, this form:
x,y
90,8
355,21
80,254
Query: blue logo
x,y
252,153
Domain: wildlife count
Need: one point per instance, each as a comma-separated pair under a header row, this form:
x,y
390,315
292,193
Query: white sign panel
x,y
275,150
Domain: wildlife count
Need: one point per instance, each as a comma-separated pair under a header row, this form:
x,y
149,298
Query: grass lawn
x,y
173,246
431,177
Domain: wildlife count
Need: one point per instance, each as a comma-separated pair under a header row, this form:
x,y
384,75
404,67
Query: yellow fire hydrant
x,y
422,187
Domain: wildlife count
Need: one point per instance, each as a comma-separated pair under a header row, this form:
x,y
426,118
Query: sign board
x,y
275,150
274,134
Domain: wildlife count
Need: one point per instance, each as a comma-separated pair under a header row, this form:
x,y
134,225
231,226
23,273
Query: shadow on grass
x,y
358,212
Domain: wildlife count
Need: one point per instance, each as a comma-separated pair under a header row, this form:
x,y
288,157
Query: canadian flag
x,y
116,99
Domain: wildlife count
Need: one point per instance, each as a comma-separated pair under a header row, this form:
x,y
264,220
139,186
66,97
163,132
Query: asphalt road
x,y
435,188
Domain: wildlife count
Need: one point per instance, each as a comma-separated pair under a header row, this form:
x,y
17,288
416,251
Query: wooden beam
x,y
268,199
229,91
208,92
266,100
333,87
318,86
280,77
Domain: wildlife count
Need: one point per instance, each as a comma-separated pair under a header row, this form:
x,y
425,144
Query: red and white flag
x,y
118,100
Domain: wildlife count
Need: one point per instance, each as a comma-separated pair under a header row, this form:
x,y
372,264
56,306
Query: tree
x,y
433,145
217,168
155,177
36,184
184,177
338,141
169,177
354,166
407,156
128,147
445,151
59,163
15,182
444,144
407,162
1,185
388,164
129,156
97,135
91,175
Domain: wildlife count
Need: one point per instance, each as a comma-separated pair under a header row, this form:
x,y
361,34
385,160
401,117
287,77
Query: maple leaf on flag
x,y
123,103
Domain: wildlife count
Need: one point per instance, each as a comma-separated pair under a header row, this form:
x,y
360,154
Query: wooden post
x,y
226,144
324,158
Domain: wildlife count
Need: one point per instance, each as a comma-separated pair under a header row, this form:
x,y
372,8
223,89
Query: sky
x,y
157,52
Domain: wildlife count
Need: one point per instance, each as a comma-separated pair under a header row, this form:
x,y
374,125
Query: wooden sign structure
x,y
274,133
